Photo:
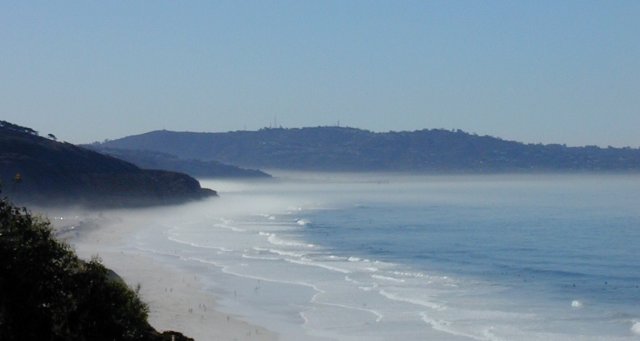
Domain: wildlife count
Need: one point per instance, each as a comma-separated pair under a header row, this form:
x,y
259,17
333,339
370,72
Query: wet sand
x,y
176,299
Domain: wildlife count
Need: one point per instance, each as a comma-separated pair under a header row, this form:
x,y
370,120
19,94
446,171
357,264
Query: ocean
x,y
382,257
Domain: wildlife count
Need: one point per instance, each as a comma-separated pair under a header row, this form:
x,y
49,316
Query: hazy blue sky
x,y
534,71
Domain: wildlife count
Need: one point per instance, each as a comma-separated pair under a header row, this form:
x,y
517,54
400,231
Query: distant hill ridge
x,y
40,170
197,168
351,149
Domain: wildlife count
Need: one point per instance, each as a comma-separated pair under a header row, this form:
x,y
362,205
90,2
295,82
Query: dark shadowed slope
x,y
44,171
196,168
349,149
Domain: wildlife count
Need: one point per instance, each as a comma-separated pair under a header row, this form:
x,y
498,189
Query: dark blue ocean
x,y
558,237
378,256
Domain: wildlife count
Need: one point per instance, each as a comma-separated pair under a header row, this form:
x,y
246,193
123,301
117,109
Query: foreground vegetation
x,y
47,293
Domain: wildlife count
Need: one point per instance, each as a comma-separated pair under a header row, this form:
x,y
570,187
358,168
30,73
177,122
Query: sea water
x,y
380,257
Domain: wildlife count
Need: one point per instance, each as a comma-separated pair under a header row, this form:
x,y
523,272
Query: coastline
x,y
250,241
176,298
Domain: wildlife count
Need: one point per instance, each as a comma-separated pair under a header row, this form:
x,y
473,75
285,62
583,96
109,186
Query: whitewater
x,y
380,257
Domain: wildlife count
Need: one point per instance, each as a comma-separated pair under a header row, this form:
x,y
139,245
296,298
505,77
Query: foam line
x,y
277,241
305,261
414,301
377,314
198,246
225,269
229,227
443,326
635,327
244,255
387,278
280,252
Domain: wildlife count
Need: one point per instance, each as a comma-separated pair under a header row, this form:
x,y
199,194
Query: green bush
x,y
47,293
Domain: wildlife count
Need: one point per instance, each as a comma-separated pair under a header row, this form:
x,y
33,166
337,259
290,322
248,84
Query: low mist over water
x,y
378,256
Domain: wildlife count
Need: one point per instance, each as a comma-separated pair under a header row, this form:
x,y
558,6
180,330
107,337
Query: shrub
x,y
47,293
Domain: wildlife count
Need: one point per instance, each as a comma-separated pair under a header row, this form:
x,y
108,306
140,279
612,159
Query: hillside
x,y
44,171
48,293
349,149
196,168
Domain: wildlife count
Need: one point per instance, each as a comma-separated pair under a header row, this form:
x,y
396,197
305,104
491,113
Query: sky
x,y
532,71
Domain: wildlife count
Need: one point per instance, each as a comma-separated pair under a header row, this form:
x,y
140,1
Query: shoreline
x,y
176,299
317,280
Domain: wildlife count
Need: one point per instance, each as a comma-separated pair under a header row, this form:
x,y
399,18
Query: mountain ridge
x,y
352,149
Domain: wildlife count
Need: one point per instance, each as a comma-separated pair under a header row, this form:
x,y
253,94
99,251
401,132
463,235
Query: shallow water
x,y
377,257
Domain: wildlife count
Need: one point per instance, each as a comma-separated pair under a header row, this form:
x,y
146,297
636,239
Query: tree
x,y
47,293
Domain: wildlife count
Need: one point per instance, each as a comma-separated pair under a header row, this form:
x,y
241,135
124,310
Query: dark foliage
x,y
47,293
14,127
62,173
349,149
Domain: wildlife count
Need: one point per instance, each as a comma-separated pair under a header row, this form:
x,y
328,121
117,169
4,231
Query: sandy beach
x,y
176,299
